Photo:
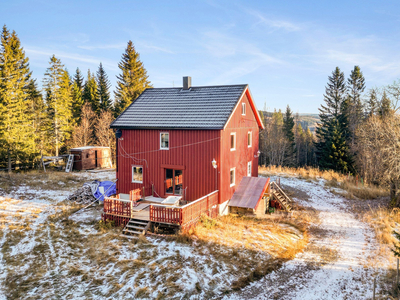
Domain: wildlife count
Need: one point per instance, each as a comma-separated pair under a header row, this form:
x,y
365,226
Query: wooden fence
x,y
188,214
119,207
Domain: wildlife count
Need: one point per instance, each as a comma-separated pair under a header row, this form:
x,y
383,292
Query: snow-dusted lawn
x,y
341,262
47,254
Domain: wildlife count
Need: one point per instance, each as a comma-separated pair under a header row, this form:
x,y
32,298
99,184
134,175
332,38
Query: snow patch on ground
x,y
348,276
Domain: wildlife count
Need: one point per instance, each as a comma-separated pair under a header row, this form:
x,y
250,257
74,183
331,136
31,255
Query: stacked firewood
x,y
82,195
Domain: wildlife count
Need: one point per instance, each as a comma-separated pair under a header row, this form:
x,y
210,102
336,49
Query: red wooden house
x,y
188,141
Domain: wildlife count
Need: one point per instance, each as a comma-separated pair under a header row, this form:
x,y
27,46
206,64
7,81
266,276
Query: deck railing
x,y
188,214
115,206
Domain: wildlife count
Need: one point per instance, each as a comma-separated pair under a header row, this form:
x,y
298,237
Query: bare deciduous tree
x,y
83,134
378,146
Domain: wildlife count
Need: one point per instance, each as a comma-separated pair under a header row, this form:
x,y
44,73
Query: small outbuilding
x,y
91,157
251,197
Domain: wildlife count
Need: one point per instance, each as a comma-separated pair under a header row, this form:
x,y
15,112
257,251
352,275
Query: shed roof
x,y
249,192
202,107
86,148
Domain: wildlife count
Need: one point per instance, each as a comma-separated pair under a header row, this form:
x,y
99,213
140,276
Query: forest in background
x,y
358,133
69,111
357,130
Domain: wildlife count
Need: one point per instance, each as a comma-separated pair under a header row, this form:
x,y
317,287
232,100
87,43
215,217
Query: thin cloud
x,y
274,23
108,46
74,57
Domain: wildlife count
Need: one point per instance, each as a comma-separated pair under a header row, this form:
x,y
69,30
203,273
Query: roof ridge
x,y
200,86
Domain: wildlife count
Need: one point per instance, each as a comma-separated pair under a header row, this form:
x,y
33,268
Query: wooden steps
x,y
280,196
135,228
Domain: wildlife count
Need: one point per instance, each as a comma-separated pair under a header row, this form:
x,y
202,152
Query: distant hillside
x,y
306,120
309,120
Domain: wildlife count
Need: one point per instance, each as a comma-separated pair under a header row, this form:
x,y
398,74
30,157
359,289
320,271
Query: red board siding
x,y
192,150
241,124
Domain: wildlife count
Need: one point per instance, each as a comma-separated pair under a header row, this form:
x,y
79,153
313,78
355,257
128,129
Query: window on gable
x,y
164,140
232,177
243,109
233,141
249,137
137,174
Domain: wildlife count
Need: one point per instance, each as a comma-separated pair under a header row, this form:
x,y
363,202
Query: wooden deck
x,y
143,214
121,211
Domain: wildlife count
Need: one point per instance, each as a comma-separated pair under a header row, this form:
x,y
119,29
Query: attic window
x,y
249,138
243,109
233,141
164,140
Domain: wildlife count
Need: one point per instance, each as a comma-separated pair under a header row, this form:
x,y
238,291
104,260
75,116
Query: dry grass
x,y
304,173
281,238
51,180
351,188
384,221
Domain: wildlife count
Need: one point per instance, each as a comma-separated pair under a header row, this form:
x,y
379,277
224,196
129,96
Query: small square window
x,y
137,174
233,141
249,137
249,169
243,109
164,140
232,177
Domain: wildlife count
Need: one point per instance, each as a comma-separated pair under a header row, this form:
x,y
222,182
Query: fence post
x,y
144,196
373,296
397,275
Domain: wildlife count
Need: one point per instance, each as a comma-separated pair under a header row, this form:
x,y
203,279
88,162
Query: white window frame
x,y
251,139
243,109
249,167
133,176
234,177
161,147
234,141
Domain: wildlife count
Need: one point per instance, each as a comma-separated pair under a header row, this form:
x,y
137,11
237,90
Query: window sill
x,y
137,181
232,185
164,148
233,149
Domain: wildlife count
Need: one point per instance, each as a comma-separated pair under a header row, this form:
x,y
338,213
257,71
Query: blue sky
x,y
285,50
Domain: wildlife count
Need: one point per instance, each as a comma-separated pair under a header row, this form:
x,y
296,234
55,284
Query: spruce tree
x,y
356,86
103,88
288,124
385,108
78,79
132,81
337,153
39,116
77,99
332,129
17,140
90,94
372,103
57,86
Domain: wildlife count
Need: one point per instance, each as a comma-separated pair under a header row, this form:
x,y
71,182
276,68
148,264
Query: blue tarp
x,y
106,187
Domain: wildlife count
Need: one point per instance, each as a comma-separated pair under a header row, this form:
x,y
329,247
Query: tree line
x,y
358,133
68,111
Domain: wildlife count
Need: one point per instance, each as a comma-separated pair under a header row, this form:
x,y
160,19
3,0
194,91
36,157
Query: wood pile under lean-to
x,y
82,195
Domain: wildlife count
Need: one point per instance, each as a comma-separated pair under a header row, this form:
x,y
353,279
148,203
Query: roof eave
x,y
164,128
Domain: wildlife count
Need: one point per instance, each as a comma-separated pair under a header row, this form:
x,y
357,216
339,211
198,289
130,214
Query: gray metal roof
x,y
203,107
